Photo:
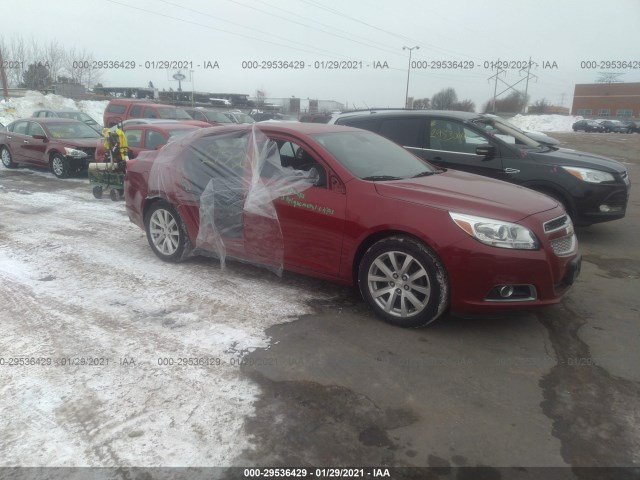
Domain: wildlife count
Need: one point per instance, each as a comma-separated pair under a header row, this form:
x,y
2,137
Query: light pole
x,y
193,89
406,95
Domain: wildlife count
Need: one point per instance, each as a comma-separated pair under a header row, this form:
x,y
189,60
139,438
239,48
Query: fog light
x,y
605,208
506,291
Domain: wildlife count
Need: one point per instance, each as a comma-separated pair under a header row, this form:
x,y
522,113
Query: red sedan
x,y
64,146
350,206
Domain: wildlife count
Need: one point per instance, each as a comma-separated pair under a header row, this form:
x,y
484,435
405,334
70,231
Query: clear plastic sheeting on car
x,y
229,178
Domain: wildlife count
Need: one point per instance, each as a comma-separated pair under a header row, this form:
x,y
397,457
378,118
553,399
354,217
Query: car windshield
x,y
504,131
175,113
83,117
370,156
244,118
219,117
71,130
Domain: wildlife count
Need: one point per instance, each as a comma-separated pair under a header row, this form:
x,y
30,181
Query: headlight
x,y
588,175
72,152
496,233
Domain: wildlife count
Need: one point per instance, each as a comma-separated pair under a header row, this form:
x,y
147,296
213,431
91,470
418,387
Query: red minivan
x,y
350,206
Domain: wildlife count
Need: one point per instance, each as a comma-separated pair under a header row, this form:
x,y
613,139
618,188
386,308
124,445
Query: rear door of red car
x,y
16,138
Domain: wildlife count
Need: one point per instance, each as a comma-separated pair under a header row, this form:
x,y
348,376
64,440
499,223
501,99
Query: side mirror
x,y
487,151
39,137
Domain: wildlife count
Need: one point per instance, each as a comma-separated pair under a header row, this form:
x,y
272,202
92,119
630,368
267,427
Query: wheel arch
x,y
554,191
375,237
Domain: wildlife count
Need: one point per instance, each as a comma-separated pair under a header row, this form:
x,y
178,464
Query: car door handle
x,y
437,158
9,138
511,170
25,141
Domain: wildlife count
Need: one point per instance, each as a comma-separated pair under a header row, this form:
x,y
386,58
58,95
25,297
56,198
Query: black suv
x,y
592,188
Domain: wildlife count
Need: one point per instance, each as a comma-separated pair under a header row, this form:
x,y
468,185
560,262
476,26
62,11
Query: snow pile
x,y
22,107
544,123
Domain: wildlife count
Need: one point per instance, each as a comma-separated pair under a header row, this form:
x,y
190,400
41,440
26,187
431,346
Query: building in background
x,y
601,100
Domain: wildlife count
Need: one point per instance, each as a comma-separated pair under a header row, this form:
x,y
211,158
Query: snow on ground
x,y
544,123
78,281
22,107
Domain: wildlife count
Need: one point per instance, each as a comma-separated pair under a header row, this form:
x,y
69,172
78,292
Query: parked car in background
x,y
64,146
121,109
150,136
591,188
435,240
316,117
239,117
2,127
587,126
632,125
71,114
212,117
614,126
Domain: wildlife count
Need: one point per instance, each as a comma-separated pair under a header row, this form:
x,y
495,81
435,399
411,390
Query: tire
x,y
404,282
97,191
7,160
165,232
59,166
115,194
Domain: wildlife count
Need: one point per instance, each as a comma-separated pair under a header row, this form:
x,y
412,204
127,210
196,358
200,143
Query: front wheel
x,y
404,282
165,232
7,161
59,166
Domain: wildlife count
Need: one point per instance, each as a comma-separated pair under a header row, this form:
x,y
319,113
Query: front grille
x,y
555,224
564,245
91,151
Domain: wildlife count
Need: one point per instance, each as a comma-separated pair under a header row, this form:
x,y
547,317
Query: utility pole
x,y
529,75
495,88
406,95
3,77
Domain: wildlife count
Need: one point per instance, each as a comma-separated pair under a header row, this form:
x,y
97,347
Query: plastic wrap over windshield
x,y
224,183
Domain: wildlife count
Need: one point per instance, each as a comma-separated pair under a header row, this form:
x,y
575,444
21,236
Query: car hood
x,y
468,193
575,158
79,142
541,138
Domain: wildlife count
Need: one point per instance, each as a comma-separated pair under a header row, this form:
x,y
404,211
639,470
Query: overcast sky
x,y
366,32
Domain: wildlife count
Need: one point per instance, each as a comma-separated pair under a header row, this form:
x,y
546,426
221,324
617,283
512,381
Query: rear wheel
x,y
97,191
7,161
165,232
403,281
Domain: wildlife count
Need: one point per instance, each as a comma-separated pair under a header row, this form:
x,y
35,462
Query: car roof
x,y
291,128
162,126
408,113
49,121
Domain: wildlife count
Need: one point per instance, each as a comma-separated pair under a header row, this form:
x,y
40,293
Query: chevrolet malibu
x,y
350,206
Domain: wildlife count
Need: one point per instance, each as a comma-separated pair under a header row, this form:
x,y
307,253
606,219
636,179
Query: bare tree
x,y
444,99
422,103
464,106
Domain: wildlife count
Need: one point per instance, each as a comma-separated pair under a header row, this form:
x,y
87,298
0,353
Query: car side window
x,y
20,128
135,111
451,136
199,116
149,113
35,129
153,139
294,156
403,131
134,137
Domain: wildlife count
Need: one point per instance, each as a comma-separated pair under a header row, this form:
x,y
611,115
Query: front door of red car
x,y
312,220
34,148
